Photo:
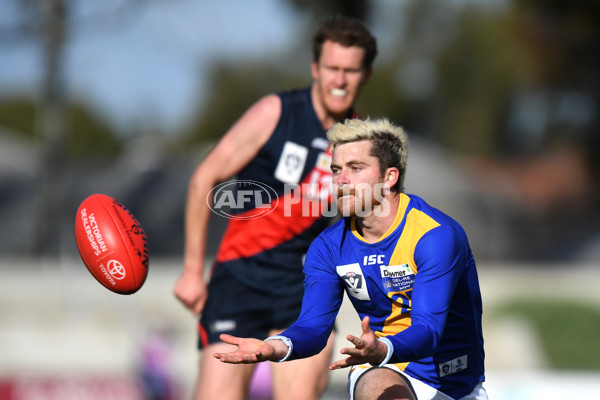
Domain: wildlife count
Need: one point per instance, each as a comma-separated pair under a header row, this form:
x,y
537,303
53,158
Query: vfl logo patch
x,y
353,277
453,366
291,163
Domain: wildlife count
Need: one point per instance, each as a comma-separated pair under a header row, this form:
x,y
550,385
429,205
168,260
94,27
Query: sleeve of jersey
x,y
323,294
441,258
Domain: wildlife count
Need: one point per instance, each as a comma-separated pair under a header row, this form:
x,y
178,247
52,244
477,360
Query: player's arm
x,y
250,350
232,153
323,295
441,256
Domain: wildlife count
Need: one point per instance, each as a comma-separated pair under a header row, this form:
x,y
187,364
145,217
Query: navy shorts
x,y
239,309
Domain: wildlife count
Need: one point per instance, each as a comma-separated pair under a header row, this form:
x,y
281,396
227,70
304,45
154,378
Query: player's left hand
x,y
249,351
367,349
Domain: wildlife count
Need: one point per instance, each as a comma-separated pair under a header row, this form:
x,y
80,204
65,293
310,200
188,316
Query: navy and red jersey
x,y
257,250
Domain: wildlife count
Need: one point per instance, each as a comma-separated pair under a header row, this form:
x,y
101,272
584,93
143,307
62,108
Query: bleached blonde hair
x,y
389,143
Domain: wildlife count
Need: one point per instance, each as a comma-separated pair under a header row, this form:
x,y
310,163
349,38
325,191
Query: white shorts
x,y
422,390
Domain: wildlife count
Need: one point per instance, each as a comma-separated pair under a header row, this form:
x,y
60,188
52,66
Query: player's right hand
x,y
190,289
249,351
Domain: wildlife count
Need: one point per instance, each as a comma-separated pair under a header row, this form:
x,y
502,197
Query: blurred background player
x,y
406,267
256,285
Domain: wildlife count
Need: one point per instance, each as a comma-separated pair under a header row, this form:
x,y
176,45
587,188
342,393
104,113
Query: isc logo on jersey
x,y
374,259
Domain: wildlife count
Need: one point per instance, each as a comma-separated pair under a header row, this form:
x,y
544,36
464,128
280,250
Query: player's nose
x,y
340,178
339,79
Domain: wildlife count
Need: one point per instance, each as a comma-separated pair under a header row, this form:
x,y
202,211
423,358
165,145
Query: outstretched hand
x,y
367,349
249,351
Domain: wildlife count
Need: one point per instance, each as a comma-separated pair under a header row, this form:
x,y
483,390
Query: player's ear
x,y
314,69
391,176
367,76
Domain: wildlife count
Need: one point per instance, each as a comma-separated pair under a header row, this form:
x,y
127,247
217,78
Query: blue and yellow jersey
x,y
418,284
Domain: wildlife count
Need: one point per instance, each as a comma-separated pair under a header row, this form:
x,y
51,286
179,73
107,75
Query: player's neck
x,y
326,118
373,226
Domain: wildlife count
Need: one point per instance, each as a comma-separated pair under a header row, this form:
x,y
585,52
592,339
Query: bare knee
x,y
383,384
219,380
303,379
300,379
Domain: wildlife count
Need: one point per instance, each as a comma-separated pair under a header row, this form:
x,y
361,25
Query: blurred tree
x,y
49,23
53,32
520,88
477,75
88,136
234,89
559,42
534,72
19,116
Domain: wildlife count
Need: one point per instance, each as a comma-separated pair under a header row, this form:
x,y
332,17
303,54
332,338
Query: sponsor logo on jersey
x,y
291,163
397,278
453,366
324,162
353,277
395,271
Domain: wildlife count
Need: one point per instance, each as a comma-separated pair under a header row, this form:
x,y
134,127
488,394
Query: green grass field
x,y
568,330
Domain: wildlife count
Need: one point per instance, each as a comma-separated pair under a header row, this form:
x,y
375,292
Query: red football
x,y
112,244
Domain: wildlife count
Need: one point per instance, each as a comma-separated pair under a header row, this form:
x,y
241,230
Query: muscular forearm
x,y
197,216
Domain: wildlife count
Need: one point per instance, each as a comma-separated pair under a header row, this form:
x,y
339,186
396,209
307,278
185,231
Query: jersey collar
x,y
402,206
